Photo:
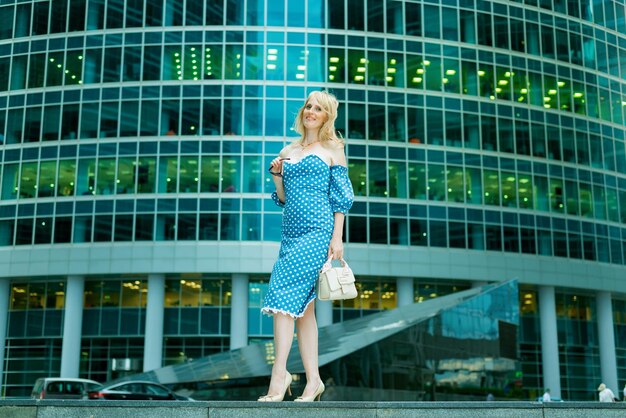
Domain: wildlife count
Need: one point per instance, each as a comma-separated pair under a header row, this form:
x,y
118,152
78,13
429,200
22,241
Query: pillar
x,y
549,341
153,340
72,326
606,340
239,312
406,291
5,294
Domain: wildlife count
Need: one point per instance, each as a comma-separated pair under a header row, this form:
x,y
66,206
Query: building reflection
x,y
462,353
460,346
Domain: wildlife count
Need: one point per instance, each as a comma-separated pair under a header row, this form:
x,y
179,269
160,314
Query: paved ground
x,y
137,409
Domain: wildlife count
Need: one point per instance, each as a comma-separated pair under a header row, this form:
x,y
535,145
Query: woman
x,y
313,187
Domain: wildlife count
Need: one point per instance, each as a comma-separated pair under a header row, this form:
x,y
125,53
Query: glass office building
x,y
461,346
485,141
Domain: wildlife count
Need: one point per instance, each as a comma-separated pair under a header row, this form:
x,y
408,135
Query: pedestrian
x,y
490,397
314,190
624,398
546,396
605,394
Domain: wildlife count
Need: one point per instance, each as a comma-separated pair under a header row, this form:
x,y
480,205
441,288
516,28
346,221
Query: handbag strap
x,y
328,264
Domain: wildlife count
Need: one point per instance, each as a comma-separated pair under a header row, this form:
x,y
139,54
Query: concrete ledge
x,y
213,409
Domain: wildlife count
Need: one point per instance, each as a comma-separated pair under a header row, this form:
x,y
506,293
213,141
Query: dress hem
x,y
272,311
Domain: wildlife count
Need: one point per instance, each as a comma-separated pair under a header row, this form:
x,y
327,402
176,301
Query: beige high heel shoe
x,y
280,397
317,395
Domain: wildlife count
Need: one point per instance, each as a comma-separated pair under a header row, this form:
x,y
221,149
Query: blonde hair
x,y
327,133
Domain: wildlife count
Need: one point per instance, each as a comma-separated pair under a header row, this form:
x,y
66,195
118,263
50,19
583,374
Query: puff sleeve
x,y
277,200
340,190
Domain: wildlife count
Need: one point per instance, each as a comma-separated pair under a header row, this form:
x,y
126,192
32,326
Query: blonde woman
x,y
313,188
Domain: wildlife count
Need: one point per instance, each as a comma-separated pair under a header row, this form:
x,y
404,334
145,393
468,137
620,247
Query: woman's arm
x,y
336,242
278,181
276,166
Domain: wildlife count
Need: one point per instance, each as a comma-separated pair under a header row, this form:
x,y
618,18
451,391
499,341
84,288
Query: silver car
x,y
62,388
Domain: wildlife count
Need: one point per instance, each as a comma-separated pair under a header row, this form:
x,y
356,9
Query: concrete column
x,y
153,340
5,294
606,340
549,341
406,291
72,326
323,313
239,312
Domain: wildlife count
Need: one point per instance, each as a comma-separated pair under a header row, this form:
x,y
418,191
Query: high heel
x,y
281,396
317,395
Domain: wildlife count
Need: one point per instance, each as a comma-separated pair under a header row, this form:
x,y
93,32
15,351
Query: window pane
x,y
89,120
436,182
491,187
32,125
24,231
149,118
189,174
62,229
168,170
126,175
397,179
229,226
51,123
43,230
28,180
377,178
106,176
144,225
210,178
130,120
109,120
417,181
47,178
231,171
103,228
187,226
252,174
9,181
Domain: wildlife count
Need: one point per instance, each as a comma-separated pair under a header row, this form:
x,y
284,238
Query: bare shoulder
x,y
338,155
284,153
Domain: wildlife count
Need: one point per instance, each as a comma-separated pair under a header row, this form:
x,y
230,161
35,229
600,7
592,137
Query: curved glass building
x,y
485,141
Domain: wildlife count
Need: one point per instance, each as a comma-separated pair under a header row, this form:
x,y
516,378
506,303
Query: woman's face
x,y
313,116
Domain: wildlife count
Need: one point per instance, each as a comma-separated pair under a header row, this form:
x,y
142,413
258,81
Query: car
x,y
136,390
62,388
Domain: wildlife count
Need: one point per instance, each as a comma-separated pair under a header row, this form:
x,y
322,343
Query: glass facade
x,y
460,346
474,126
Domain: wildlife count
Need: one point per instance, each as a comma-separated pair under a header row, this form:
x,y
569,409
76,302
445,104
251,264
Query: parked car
x,y
62,388
136,390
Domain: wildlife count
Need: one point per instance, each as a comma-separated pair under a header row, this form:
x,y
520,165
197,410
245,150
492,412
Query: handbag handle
x,y
328,264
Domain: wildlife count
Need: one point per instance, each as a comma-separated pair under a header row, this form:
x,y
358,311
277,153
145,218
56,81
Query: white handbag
x,y
336,283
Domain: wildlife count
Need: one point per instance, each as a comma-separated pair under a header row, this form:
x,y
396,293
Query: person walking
x,y
546,396
605,394
314,190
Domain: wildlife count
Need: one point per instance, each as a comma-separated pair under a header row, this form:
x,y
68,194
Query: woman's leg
x,y
283,339
307,342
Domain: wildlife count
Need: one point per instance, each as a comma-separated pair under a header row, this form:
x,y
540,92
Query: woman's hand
x,y
276,166
335,248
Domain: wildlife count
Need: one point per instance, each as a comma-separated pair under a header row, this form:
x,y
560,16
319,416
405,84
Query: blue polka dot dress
x,y
313,193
